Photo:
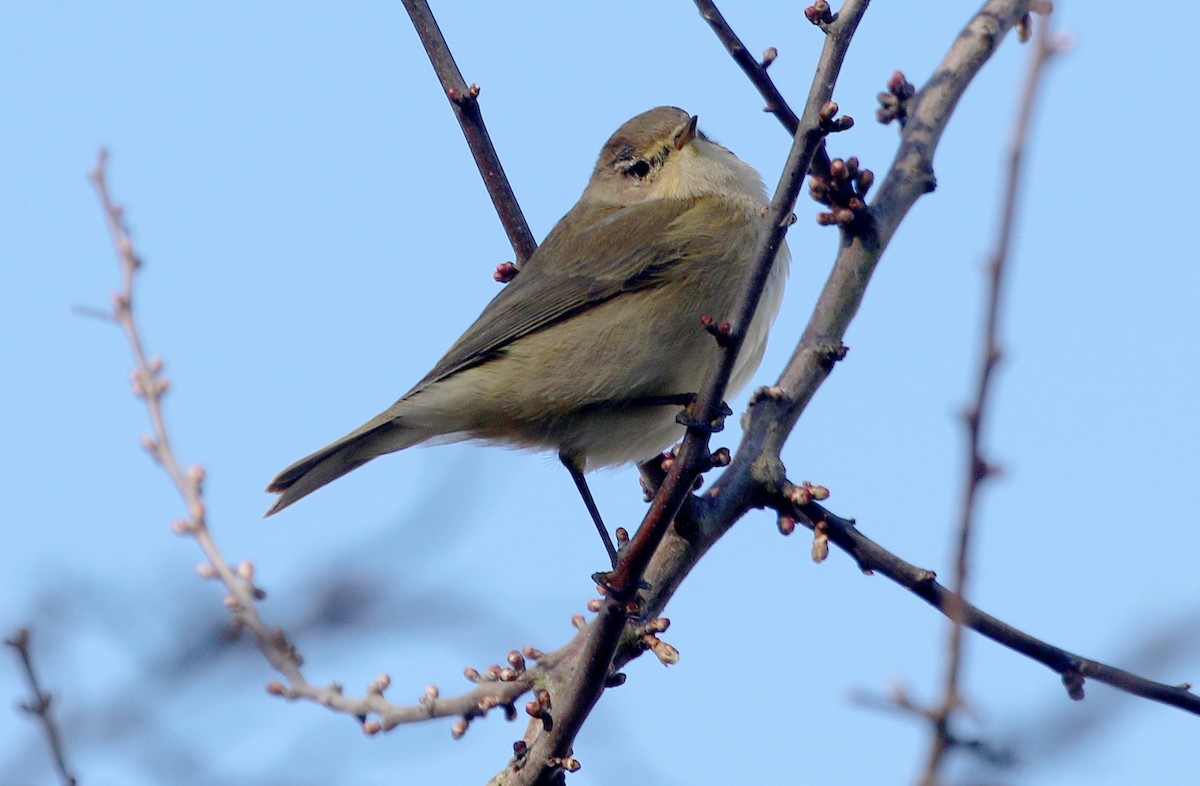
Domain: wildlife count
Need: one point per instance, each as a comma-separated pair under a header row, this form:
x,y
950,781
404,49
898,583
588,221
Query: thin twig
x,y
40,706
756,71
464,100
151,386
873,558
899,701
978,467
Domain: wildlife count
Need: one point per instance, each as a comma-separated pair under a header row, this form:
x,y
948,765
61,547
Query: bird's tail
x,y
384,434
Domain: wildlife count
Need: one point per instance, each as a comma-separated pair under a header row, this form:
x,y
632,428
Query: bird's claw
x,y
685,419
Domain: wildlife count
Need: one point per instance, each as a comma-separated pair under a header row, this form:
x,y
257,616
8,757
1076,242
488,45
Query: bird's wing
x,y
579,268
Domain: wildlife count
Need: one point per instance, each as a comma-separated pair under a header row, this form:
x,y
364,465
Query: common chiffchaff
x,y
588,351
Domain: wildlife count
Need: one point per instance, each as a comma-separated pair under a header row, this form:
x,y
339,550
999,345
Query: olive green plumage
x,y
603,317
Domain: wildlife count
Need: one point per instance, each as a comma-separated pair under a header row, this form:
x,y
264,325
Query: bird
x,y
590,349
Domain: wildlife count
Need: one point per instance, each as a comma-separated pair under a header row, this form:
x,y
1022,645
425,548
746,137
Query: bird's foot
x,y
686,418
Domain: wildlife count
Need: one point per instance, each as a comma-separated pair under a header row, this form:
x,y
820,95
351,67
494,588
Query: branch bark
x,y
873,558
464,100
756,475
756,72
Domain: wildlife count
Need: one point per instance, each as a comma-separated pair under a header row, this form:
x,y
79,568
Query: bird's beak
x,y
687,133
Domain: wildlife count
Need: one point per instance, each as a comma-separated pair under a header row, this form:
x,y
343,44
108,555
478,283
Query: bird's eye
x,y
639,169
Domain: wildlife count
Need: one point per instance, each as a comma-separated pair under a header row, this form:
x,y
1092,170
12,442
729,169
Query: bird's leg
x,y
683,418
590,503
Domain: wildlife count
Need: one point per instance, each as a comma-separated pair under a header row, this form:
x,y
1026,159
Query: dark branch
x,y
873,558
40,706
465,103
756,71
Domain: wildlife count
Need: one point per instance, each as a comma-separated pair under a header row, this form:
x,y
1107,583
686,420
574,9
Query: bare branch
x,y
494,690
756,471
756,474
979,468
756,71
40,706
773,414
873,558
465,101
151,386
602,638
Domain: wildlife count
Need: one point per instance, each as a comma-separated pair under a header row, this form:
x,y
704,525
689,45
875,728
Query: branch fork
x,y
570,680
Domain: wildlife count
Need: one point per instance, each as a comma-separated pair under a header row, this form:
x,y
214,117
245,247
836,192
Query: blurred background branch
x,y
978,467
40,705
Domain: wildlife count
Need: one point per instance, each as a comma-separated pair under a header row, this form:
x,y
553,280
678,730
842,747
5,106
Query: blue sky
x,y
316,235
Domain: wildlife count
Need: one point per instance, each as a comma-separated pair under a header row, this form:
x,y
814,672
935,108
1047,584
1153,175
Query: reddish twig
x,y
40,706
978,467
464,100
151,386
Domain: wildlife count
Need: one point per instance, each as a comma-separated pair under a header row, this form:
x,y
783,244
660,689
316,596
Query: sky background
x,y
316,235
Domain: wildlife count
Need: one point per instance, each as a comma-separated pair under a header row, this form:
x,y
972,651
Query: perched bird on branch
x,y
593,347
